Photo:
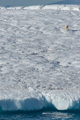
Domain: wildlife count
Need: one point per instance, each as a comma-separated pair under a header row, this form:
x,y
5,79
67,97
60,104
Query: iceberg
x,y
39,60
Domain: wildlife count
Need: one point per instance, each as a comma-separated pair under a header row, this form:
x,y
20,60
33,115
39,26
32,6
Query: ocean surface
x,y
40,116
13,3
68,2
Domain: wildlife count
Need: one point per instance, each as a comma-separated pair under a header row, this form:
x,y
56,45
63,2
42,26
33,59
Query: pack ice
x,y
39,60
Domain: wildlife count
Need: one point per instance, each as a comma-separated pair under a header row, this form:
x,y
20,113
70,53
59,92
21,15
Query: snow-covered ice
x,y
39,60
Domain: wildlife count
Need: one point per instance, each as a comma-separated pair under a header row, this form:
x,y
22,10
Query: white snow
x,y
39,60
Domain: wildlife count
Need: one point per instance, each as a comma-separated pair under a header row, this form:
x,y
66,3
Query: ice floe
x,y
39,60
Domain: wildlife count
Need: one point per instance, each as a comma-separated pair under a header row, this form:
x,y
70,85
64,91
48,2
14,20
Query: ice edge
x,y
53,7
40,103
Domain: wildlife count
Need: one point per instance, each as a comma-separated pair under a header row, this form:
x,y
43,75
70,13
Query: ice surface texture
x,y
39,60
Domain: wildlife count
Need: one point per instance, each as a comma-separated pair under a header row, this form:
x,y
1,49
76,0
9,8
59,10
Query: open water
x,y
40,116
67,2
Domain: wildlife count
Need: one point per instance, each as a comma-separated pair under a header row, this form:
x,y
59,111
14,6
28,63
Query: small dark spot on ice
x,y
69,62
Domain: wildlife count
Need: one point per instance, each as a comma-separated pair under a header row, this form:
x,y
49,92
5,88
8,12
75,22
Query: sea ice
x,y
39,60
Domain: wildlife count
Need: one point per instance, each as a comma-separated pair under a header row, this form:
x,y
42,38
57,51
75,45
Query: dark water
x,y
40,116
15,3
68,2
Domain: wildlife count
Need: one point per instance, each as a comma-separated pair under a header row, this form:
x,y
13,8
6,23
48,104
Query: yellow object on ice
x,y
66,27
